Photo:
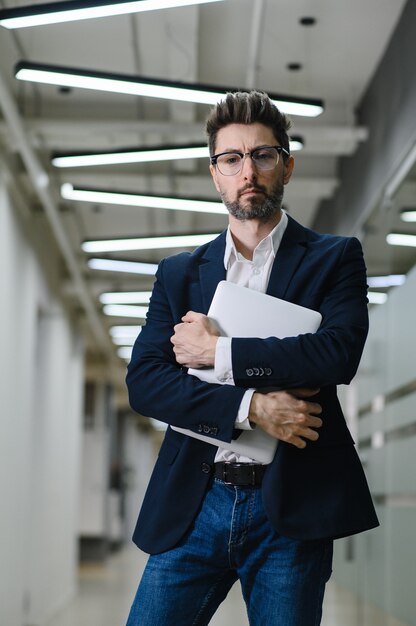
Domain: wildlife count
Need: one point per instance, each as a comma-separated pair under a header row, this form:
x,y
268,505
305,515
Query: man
x,y
211,517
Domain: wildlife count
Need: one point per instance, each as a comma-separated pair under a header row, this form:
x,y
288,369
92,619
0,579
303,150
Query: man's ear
x,y
214,174
288,169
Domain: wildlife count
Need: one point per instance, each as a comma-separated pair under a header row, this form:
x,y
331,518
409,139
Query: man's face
x,y
250,194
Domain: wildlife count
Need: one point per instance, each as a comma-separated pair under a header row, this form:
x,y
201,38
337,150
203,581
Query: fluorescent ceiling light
x,y
151,88
117,332
399,239
142,155
408,215
125,352
55,12
125,297
124,335
119,157
68,192
121,310
377,297
392,280
296,143
123,341
147,243
130,267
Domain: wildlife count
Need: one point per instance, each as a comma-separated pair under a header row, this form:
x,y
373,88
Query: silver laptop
x,y
242,312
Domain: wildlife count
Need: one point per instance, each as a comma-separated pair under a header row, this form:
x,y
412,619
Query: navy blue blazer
x,y
312,493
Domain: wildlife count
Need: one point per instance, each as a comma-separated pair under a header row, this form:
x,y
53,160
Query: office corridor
x,y
106,591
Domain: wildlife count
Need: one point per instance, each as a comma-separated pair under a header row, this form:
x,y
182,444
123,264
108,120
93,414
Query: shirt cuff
x,y
223,362
242,421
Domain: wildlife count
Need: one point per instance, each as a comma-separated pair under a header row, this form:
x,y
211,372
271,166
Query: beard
x,y
262,207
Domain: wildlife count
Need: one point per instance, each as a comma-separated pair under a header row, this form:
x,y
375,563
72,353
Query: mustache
x,y
252,187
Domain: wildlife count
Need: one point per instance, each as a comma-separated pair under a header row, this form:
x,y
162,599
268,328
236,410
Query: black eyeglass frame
x,y
279,150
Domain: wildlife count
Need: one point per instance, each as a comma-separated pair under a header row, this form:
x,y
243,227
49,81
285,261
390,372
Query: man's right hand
x,y
286,415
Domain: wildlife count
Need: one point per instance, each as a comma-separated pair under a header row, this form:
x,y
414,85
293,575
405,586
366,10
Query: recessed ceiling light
x,y
294,67
307,21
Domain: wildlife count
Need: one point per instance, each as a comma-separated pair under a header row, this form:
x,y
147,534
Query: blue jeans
x,y
282,580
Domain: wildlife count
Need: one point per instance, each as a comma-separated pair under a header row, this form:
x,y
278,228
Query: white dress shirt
x,y
254,274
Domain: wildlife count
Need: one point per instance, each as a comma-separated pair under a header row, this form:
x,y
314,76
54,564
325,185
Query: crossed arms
x,y
160,387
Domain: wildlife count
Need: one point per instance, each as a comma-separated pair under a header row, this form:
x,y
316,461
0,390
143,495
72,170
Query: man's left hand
x,y
195,340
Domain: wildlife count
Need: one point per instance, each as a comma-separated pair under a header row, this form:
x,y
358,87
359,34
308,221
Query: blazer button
x,y
249,372
206,468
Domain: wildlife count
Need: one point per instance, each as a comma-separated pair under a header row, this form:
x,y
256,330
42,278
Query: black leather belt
x,y
240,474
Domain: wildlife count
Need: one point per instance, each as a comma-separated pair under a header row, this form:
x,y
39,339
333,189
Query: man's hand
x,y
286,415
195,340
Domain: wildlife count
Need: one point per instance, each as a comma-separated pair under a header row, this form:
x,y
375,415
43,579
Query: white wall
x,y
380,565
41,382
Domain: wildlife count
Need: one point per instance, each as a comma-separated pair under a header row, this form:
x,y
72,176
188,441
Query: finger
x,y
191,316
308,433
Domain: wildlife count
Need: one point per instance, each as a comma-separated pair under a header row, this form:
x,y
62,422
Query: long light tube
x,y
377,297
55,12
129,267
119,157
118,332
382,282
125,310
146,243
152,88
408,215
399,239
68,192
144,155
125,297
125,352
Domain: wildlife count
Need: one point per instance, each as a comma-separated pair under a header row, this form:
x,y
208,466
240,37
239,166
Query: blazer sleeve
x,y
160,388
328,357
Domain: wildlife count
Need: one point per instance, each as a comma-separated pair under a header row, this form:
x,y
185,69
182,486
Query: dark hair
x,y
247,108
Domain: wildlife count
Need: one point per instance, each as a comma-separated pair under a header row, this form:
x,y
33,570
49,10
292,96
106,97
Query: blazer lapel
x,y
291,251
212,270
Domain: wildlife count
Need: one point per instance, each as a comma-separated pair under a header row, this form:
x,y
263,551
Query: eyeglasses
x,y
264,158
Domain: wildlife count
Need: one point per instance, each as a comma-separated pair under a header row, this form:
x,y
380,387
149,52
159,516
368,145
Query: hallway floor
x,y
106,591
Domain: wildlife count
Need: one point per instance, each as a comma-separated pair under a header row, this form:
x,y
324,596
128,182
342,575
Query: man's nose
x,y
249,169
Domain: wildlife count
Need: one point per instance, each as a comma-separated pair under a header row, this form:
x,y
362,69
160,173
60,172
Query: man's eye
x,y
263,155
231,159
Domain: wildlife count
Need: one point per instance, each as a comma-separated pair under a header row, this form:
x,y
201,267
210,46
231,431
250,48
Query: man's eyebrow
x,y
263,145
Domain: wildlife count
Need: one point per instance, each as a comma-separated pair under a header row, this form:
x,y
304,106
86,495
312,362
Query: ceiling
x,y
241,43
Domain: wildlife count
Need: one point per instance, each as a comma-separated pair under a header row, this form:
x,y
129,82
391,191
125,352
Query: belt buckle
x,y
253,475
225,474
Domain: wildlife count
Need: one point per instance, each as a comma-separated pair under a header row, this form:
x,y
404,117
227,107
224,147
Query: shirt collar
x,y
272,240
